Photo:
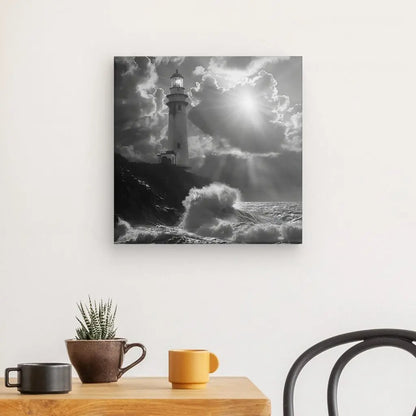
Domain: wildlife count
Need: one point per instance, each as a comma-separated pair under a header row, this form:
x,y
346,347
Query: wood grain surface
x,y
147,396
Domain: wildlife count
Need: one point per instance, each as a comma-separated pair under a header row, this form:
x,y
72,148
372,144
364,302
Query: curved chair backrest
x,y
367,340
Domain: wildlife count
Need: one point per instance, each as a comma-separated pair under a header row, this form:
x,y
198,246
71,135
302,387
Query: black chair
x,y
367,340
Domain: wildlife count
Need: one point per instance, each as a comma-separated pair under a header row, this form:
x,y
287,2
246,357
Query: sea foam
x,y
216,214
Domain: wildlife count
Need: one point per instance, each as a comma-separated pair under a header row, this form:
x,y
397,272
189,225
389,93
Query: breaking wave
x,y
209,210
216,214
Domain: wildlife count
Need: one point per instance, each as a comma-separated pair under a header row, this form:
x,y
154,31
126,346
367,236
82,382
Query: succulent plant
x,y
97,320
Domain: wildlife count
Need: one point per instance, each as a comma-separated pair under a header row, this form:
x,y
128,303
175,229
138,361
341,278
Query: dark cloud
x,y
177,60
139,117
239,62
289,75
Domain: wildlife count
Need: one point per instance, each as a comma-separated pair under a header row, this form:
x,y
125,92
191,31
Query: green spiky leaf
x,y
97,320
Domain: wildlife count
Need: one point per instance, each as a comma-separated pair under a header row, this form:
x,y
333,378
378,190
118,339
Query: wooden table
x,y
148,396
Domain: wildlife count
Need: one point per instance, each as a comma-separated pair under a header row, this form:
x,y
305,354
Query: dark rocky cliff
x,y
147,193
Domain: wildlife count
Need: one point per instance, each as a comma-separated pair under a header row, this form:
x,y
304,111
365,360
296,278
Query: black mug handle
x,y
6,376
140,359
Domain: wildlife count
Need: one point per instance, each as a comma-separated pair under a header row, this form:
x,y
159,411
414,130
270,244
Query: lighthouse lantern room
x,y
176,80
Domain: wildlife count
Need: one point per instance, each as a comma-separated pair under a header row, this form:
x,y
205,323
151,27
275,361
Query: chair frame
x,y
368,339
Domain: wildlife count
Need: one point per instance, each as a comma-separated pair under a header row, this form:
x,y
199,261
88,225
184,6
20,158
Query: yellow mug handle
x,y
213,362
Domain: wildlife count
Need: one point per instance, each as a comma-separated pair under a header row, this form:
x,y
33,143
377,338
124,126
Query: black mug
x,y
41,378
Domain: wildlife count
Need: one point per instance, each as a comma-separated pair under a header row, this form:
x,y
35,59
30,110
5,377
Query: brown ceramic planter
x,y
100,361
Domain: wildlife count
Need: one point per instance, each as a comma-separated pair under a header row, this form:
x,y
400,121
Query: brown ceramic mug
x,y
100,361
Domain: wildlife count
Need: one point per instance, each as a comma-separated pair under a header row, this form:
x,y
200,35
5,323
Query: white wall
x,y
257,307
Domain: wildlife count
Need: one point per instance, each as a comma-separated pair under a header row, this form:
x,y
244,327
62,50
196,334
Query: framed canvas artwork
x,y
207,150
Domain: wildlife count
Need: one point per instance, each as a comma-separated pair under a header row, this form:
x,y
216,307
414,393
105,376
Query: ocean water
x,y
219,217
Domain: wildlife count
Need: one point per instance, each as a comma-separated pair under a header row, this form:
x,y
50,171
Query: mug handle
x,y
213,362
6,376
140,359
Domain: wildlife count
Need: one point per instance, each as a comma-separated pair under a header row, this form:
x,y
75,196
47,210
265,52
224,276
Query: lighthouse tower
x,y
177,131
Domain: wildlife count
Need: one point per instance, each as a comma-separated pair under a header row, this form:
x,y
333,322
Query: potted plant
x,y
96,353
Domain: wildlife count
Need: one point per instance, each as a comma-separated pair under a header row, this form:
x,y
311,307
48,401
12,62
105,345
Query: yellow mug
x,y
190,369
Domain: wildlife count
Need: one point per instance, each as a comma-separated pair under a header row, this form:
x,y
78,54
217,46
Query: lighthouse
x,y
177,130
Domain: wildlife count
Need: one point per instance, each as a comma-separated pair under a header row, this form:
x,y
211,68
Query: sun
x,y
246,109
247,102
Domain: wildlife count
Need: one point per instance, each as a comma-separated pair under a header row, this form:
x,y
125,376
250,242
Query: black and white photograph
x,y
208,150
